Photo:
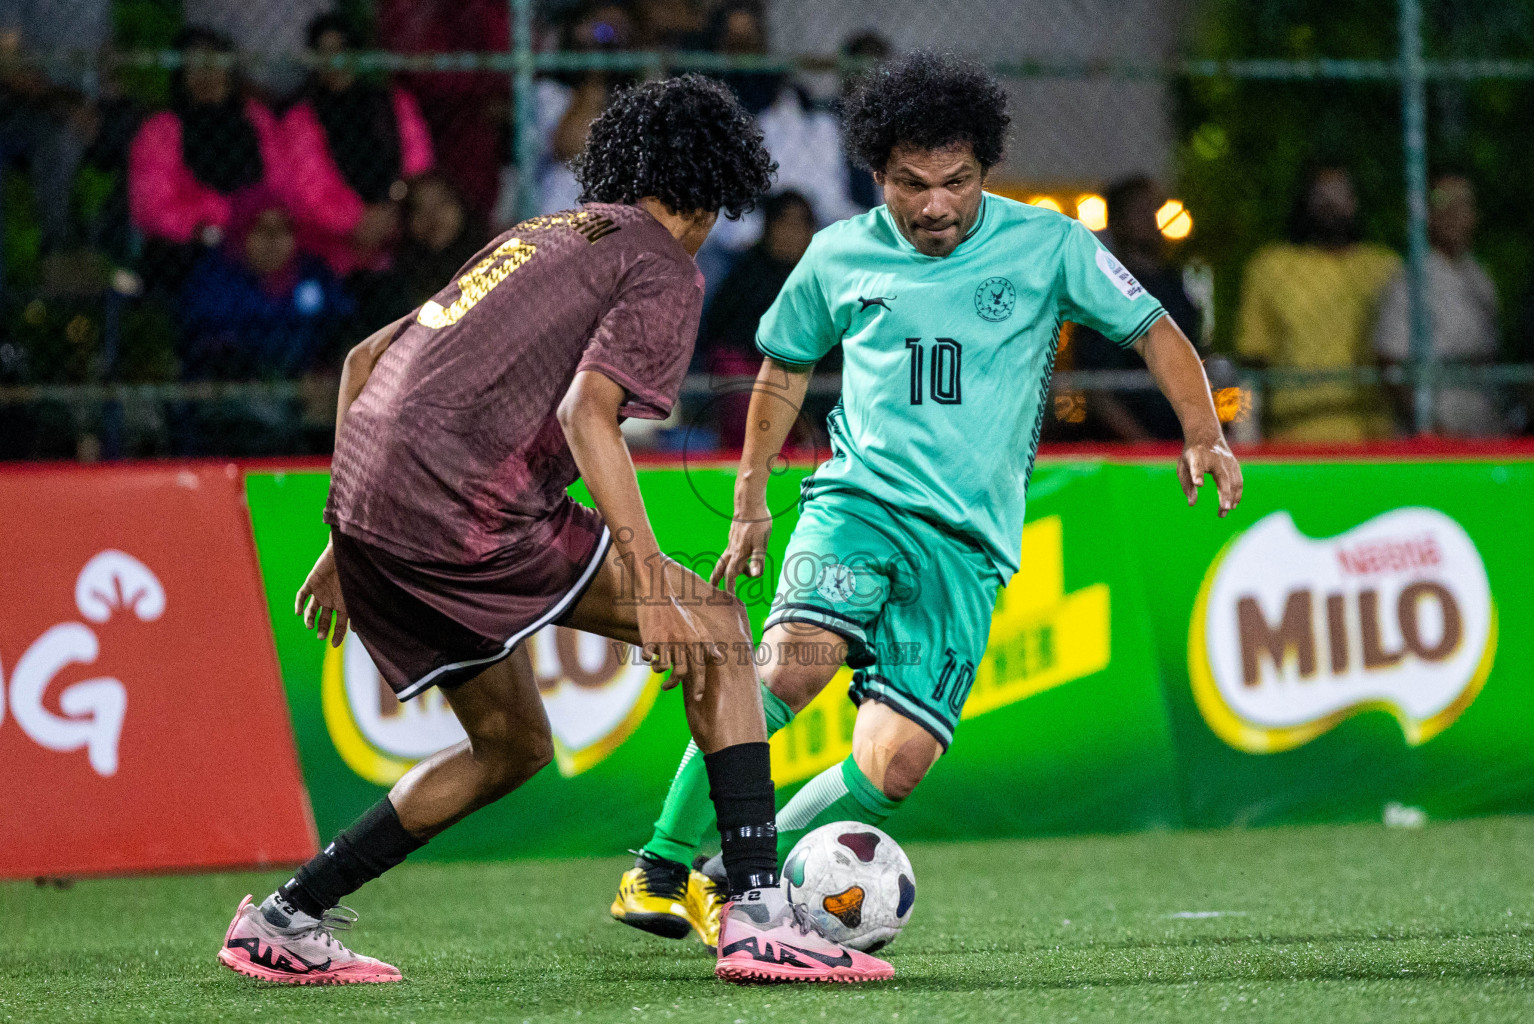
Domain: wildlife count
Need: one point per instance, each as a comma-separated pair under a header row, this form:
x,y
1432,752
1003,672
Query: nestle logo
x,y
1386,556
1293,634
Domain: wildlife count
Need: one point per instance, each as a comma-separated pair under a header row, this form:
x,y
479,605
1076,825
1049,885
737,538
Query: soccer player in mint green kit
x,y
947,302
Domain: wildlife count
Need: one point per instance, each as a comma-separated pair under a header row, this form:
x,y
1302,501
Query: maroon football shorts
x,y
440,624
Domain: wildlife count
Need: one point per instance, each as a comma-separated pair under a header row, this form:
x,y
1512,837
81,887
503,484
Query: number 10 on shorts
x,y
953,681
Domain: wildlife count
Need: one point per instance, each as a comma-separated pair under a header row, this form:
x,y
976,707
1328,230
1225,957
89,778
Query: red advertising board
x,y
142,720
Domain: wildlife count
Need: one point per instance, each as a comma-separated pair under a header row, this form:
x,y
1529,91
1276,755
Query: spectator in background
x,y
1520,349
727,341
267,32
1311,304
805,141
441,235
46,130
672,24
1133,236
52,129
864,47
568,104
1462,304
39,26
469,112
738,28
186,162
352,144
46,124
256,307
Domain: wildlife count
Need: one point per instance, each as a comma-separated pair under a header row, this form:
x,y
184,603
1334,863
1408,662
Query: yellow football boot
x,y
653,896
706,900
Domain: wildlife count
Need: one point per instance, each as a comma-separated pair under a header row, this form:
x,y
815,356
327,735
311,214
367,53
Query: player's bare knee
x,y
742,621
781,687
894,762
725,619
902,775
516,767
538,753
798,684
507,756
792,688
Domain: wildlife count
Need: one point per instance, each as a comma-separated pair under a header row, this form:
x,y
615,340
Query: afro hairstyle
x,y
686,141
926,100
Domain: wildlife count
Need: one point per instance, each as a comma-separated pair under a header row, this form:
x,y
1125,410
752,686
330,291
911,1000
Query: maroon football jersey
x,y
452,452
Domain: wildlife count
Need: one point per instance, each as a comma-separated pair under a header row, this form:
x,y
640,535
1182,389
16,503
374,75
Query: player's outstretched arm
x,y
671,637
775,401
1180,375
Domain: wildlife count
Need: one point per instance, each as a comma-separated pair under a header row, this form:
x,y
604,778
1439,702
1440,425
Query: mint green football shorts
x,y
913,603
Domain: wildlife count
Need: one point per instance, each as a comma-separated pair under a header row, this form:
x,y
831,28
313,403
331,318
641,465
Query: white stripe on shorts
x,y
553,613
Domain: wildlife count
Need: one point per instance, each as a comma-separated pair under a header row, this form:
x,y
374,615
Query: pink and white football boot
x,y
764,937
305,952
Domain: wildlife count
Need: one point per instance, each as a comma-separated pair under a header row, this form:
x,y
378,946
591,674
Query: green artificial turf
x,y
1323,925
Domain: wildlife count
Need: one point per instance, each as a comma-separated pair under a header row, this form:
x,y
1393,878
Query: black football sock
x,y
373,844
740,784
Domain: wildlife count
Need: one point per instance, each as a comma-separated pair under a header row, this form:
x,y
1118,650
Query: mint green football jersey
x,y
947,360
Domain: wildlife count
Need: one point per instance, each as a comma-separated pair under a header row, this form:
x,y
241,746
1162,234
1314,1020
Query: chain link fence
x,y
204,203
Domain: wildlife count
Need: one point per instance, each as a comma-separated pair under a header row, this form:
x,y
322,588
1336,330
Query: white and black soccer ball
x,y
855,880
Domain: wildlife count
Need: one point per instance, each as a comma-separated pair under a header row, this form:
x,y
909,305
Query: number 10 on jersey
x,y
946,358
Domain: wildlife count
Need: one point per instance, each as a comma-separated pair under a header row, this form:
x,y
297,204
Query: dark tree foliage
x,y
1246,144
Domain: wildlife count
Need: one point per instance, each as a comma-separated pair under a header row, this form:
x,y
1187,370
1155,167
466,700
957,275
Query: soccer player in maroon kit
x,y
459,429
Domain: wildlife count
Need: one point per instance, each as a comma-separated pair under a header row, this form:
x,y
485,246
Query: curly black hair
x,y
686,141
926,100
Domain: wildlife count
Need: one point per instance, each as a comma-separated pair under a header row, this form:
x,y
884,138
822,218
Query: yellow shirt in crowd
x,y
1306,307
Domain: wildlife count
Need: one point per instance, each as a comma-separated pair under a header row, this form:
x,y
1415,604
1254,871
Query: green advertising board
x,y
1350,637
1444,727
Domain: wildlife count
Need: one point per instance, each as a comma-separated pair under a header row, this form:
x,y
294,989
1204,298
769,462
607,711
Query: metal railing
x,y
700,386
1410,72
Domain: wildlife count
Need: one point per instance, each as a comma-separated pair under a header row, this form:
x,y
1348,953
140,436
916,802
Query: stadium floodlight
x,y
1092,211
1174,220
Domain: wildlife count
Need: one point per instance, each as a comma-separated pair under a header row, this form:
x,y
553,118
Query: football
x,y
855,880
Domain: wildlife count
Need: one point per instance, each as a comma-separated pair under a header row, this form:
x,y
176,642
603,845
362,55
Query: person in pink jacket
x,y
352,146
186,162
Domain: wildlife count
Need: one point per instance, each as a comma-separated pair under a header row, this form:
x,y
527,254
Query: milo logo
x,y
1290,635
594,693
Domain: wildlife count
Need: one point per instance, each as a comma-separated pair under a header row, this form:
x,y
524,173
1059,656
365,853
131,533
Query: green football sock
x,y
688,814
840,793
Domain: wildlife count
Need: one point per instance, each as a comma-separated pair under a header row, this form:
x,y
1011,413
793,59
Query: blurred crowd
x,y
250,227
1325,301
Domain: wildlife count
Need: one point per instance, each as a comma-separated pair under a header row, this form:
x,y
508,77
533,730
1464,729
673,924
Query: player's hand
x,y
1216,460
746,551
319,600
671,637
